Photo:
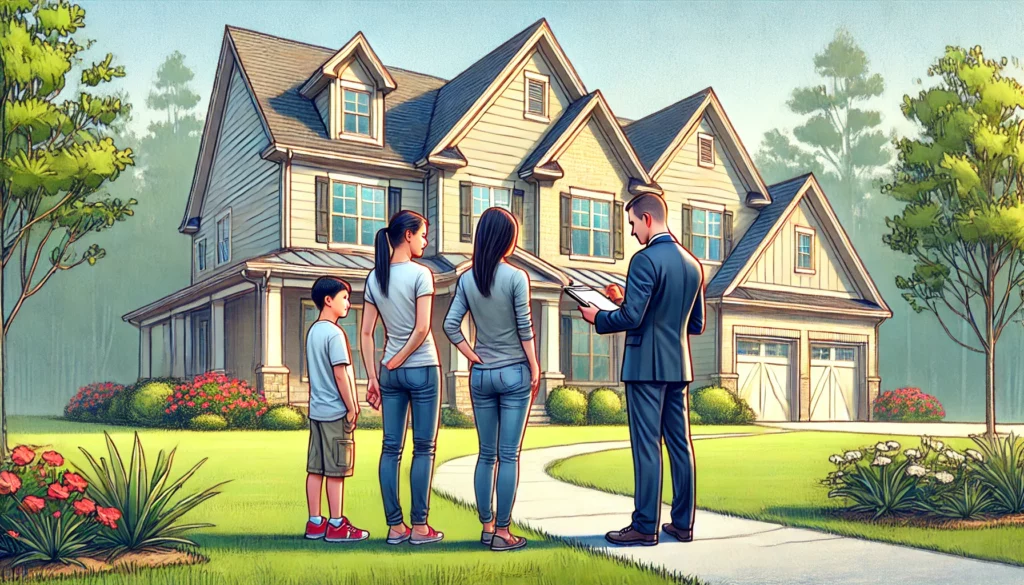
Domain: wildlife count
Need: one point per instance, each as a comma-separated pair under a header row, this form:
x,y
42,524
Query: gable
x,y
776,267
590,161
353,70
684,178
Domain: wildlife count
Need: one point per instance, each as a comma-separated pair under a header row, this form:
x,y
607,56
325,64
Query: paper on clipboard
x,y
586,296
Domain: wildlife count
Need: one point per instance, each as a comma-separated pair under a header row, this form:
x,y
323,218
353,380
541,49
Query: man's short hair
x,y
328,286
652,205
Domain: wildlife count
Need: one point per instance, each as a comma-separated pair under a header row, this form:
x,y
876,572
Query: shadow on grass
x,y
257,543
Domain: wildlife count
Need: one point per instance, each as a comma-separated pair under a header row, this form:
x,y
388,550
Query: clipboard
x,y
586,296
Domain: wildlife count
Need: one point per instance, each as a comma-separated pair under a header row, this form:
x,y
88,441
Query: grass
x,y
774,478
262,512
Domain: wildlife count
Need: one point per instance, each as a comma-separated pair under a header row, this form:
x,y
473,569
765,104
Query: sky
x,y
642,55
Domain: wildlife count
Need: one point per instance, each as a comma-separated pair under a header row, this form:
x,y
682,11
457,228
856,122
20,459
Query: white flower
x,y
839,474
975,455
916,471
944,477
853,455
938,445
893,446
881,461
912,454
954,456
882,447
836,459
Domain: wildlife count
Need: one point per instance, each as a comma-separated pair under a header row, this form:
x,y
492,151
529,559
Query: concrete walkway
x,y
940,429
726,549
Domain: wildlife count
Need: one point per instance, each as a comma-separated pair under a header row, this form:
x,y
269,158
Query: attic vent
x,y
706,150
536,106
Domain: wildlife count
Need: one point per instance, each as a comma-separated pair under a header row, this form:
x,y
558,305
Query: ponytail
x,y
386,238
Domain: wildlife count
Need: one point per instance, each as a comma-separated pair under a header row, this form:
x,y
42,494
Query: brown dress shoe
x,y
678,533
628,536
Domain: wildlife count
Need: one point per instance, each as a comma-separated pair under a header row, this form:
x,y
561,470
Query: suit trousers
x,y
656,410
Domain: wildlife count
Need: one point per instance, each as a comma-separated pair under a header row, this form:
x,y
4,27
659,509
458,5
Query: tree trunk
x,y
990,379
3,372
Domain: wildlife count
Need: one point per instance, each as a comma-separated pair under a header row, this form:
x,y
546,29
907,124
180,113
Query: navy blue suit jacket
x,y
663,306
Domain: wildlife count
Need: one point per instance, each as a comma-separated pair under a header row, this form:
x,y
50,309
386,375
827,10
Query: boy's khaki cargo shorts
x,y
332,450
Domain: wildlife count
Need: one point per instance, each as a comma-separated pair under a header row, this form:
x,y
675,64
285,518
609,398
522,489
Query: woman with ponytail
x,y
401,293
505,375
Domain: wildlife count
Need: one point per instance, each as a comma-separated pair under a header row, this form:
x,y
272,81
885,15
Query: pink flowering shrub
x,y
212,393
92,402
908,405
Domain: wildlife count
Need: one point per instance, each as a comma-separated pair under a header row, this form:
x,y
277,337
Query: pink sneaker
x,y
345,532
316,531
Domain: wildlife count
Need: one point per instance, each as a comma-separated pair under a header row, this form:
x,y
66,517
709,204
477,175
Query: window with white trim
x,y
706,150
590,354
200,254
485,197
706,234
357,212
535,98
356,112
804,250
224,238
591,227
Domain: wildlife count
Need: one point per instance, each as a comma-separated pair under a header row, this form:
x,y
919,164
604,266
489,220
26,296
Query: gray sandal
x,y
486,538
499,544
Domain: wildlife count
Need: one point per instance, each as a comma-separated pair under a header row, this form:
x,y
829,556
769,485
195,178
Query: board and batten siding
x,y
242,181
702,349
685,181
589,163
323,107
303,208
495,148
776,266
430,208
240,337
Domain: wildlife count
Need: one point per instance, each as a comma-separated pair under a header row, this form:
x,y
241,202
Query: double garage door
x,y
768,380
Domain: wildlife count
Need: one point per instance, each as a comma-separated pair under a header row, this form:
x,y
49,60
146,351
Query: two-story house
x,y
307,151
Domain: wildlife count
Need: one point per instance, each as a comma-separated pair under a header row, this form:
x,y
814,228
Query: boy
x,y
333,410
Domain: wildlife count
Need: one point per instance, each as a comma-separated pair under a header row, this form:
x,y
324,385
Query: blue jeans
x,y
660,410
401,389
501,406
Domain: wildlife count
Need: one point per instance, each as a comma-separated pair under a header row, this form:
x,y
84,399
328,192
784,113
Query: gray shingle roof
x,y
564,123
782,194
652,134
459,94
595,279
802,299
277,68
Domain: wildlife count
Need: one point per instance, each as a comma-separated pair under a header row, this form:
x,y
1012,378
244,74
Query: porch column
x,y
804,364
178,347
217,337
272,374
188,352
145,345
548,338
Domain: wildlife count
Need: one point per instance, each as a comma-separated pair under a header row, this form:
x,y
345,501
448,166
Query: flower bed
x,y
932,484
908,405
233,399
92,402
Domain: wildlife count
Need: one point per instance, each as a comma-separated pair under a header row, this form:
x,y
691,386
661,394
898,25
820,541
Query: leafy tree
x,y
839,141
962,222
56,155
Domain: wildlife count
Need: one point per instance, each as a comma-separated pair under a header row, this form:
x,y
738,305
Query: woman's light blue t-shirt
x,y
408,281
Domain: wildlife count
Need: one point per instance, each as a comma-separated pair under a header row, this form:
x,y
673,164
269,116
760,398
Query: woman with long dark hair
x,y
401,292
505,375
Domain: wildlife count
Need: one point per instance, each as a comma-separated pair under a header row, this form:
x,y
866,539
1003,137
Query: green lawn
x,y
261,514
775,478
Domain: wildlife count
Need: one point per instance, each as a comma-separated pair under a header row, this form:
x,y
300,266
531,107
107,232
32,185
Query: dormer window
x,y
706,151
804,250
535,97
356,112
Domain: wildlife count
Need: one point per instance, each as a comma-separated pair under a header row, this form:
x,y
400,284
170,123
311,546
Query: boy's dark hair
x,y
652,205
328,286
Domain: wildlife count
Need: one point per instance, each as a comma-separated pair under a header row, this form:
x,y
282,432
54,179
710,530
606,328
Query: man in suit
x,y
663,306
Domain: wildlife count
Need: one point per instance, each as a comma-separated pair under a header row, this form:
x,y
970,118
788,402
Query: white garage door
x,y
834,392
765,377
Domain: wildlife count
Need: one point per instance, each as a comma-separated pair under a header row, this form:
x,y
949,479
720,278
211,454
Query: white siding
x,y
242,181
775,267
496,147
430,203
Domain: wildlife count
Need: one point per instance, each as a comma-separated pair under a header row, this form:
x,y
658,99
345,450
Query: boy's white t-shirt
x,y
326,347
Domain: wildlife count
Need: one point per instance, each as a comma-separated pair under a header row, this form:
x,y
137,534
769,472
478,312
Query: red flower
x,y
108,516
75,482
22,455
205,405
33,504
58,492
56,514
9,483
13,534
53,458
84,507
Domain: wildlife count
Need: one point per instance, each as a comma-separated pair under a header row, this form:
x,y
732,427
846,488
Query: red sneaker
x,y
345,532
316,531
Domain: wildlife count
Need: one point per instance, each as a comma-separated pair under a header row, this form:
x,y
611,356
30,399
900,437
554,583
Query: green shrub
x,y
603,407
370,421
283,418
718,406
453,418
567,405
149,402
120,405
208,422
695,418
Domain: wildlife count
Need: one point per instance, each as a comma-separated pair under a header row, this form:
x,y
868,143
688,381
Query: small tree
x,y
56,154
963,220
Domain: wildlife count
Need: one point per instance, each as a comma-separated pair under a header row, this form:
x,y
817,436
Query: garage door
x,y
834,389
765,377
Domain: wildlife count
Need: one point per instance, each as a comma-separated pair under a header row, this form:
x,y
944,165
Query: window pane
x,y
502,199
748,348
600,215
714,223
601,344
700,247
350,100
601,244
602,369
350,123
363,103
481,199
344,229
370,228
845,354
819,353
581,242
776,350
373,203
714,249
581,368
580,212
363,125
699,222
580,337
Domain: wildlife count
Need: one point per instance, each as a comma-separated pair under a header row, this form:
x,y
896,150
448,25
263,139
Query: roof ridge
x,y
496,49
792,179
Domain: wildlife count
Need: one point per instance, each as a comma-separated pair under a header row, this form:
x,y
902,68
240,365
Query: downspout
x,y
260,282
